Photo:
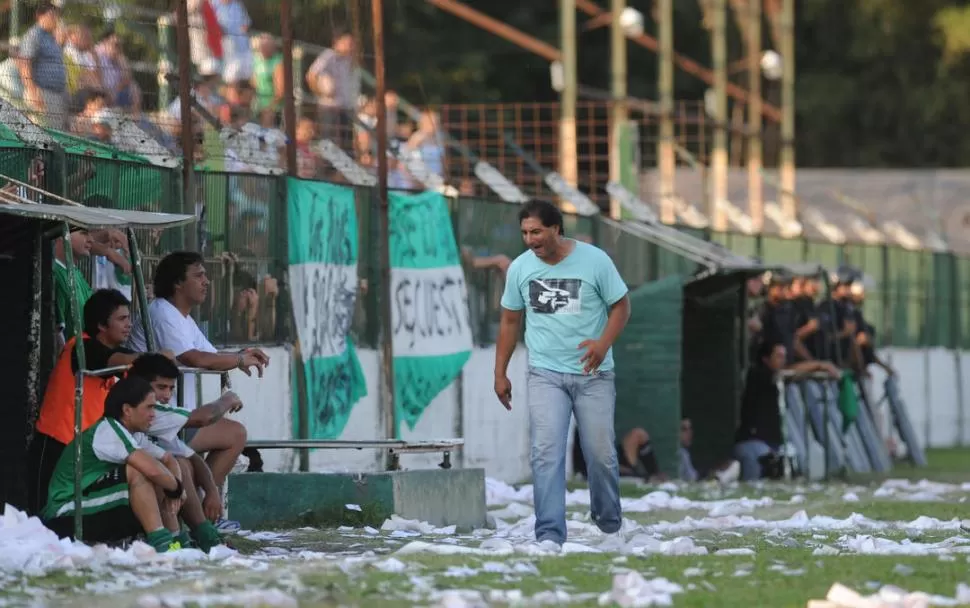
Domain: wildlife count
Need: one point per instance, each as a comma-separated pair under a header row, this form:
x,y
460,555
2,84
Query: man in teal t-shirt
x,y
576,306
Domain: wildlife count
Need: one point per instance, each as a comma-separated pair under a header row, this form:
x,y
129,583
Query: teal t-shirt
x,y
564,304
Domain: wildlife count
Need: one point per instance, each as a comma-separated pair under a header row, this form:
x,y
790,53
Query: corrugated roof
x,y
94,217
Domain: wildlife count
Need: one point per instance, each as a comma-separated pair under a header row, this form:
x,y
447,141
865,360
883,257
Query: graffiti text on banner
x,y
323,276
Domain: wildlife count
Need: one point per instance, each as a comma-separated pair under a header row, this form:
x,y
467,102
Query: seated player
x,y
107,324
759,434
634,454
129,485
180,284
203,498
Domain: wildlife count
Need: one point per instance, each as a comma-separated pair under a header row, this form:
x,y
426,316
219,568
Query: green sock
x,y
207,536
162,540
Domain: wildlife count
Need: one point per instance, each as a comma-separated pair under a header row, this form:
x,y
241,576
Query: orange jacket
x,y
57,412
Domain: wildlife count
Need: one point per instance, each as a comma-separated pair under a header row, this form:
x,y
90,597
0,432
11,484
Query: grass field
x,y
785,545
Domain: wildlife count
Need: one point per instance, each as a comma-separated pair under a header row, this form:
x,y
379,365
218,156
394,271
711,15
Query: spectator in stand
x,y
93,101
268,81
84,70
42,69
116,76
425,143
81,244
335,81
11,85
103,125
237,55
308,164
238,96
205,35
759,435
205,90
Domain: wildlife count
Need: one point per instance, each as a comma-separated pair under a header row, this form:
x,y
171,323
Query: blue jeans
x,y
747,454
553,396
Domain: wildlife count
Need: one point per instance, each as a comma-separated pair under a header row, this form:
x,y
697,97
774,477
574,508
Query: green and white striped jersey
x,y
104,447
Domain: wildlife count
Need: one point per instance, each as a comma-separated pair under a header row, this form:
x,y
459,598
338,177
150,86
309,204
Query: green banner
x,y
429,303
322,227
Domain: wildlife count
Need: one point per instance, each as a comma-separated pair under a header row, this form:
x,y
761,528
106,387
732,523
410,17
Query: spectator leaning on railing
x,y
42,69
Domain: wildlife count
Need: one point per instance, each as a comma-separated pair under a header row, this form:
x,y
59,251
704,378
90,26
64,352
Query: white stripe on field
x,y
324,298
429,311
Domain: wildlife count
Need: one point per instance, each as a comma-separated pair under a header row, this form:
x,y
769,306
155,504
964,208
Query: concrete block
x,y
290,500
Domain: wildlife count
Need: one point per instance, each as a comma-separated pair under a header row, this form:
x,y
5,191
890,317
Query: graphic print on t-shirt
x,y
555,296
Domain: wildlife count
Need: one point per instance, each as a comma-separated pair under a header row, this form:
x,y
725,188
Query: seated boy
x,y
107,324
129,485
203,498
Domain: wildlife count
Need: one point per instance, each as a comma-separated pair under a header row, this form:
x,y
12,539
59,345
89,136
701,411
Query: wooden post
x,y
756,202
719,158
387,342
568,163
665,85
618,108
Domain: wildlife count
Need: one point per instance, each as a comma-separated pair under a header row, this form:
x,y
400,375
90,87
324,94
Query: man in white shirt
x,y
180,283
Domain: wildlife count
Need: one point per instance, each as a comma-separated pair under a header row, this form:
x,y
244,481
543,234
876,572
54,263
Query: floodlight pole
x,y
665,85
719,158
787,47
618,108
756,203
289,106
568,163
188,132
387,335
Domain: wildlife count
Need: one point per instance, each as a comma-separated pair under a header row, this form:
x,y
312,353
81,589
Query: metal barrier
x,y
395,447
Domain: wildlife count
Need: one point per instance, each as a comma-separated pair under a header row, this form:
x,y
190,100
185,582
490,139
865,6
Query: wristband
x,y
176,493
239,360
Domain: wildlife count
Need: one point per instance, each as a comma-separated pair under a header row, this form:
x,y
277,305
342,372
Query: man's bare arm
x,y
213,412
203,475
508,335
618,317
153,470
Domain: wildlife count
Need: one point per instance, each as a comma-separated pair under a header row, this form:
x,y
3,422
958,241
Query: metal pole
x,y
618,69
289,108
789,204
756,202
139,286
36,329
568,164
14,22
665,85
185,105
387,345
719,158
164,60
75,322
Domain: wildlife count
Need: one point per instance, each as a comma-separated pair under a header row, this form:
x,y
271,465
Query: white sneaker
x,y
731,473
550,546
612,542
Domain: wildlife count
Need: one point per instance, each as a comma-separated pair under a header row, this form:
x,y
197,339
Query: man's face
x,y
811,288
195,287
686,432
776,293
755,287
267,47
48,21
163,387
776,360
344,45
542,240
118,328
140,417
81,243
